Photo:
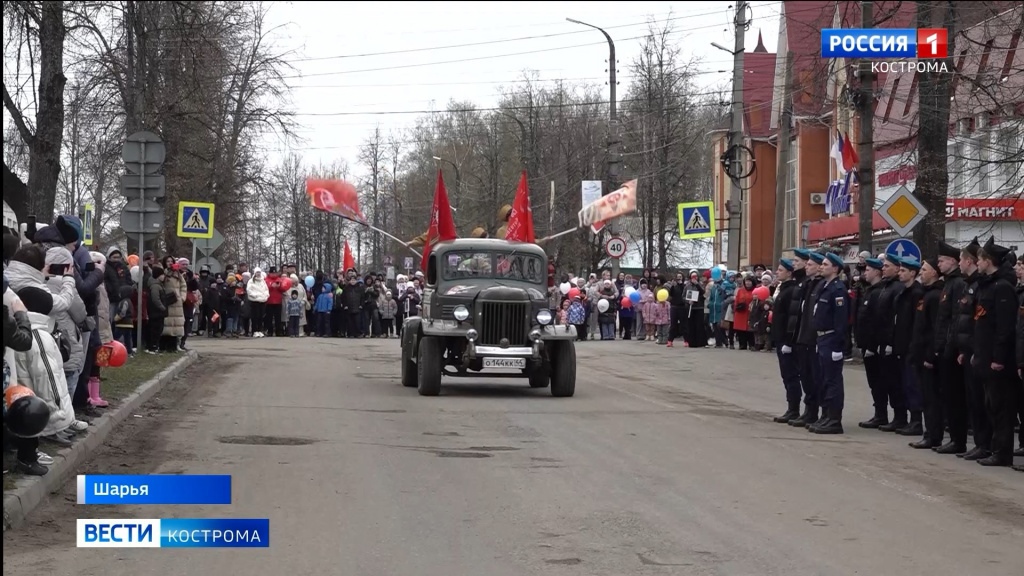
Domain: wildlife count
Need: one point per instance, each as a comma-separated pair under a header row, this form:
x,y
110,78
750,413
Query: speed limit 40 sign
x,y
615,247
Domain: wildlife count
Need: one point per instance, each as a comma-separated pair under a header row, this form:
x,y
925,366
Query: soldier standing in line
x,y
891,368
949,372
868,342
788,367
925,357
995,338
801,337
831,320
965,349
903,333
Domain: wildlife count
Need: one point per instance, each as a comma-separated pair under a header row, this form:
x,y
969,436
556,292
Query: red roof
x,y
988,78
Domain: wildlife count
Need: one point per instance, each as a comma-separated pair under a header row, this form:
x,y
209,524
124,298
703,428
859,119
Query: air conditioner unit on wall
x,y
818,199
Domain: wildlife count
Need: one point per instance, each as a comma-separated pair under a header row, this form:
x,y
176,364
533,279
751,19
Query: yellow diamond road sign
x,y
903,212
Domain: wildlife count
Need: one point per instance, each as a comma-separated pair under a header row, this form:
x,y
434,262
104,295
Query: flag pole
x,y
382,232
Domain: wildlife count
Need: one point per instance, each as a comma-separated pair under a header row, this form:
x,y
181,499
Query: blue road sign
x,y
195,219
904,248
696,220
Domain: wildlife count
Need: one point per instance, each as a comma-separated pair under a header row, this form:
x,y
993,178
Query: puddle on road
x,y
492,448
266,440
453,454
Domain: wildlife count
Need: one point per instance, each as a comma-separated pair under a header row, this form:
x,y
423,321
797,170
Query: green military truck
x,y
485,313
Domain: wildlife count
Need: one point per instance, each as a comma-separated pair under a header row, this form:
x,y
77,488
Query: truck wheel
x,y
409,370
563,369
429,365
539,376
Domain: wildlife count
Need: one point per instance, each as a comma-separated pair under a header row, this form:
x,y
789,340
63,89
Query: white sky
x,y
342,87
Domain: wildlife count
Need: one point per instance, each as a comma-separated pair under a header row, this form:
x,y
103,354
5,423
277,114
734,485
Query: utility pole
x,y
736,140
614,159
866,149
781,173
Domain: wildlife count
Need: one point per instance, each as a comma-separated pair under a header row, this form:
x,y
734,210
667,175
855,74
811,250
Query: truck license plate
x,y
505,363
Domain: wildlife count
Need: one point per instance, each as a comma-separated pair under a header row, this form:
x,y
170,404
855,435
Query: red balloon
x,y
762,293
286,284
573,293
626,302
112,354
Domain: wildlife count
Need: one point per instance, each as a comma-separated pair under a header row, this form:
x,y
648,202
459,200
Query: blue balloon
x,y
716,274
309,281
634,297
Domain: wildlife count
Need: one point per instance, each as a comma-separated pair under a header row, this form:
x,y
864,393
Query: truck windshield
x,y
494,265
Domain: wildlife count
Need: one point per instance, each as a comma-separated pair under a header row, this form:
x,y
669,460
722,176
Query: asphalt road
x,y
665,462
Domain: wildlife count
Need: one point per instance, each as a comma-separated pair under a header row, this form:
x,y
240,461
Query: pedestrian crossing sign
x,y
195,219
696,220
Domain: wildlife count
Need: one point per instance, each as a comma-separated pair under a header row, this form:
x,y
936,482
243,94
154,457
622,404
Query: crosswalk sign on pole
x,y
195,219
696,220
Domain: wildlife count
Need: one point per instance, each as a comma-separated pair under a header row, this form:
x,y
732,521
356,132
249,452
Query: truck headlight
x,y
461,313
544,317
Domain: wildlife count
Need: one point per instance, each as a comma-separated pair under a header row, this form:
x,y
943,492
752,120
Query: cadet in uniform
x,y
924,357
831,312
886,325
805,339
866,333
995,333
903,333
965,349
788,367
949,371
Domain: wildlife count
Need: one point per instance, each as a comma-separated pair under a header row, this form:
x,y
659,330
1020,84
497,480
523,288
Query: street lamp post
x,y
614,161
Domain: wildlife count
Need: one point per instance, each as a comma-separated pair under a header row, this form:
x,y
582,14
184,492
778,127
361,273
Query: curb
x,y
31,492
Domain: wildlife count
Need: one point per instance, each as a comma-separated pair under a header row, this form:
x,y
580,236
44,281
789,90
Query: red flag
x,y
442,226
850,158
520,221
347,261
335,196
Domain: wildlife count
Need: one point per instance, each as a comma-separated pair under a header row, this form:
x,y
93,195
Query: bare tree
x,y
37,30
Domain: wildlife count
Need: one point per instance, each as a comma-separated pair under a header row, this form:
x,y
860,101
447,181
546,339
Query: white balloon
x,y
602,305
629,290
564,288
134,273
723,267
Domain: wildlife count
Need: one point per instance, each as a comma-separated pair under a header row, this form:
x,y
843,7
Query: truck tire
x,y
429,365
409,369
540,376
563,369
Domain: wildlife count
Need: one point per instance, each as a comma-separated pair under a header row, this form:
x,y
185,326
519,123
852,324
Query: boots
x,y
881,418
94,394
832,423
791,414
914,427
810,416
899,421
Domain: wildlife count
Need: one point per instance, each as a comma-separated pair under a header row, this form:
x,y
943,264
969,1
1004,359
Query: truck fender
x,y
411,330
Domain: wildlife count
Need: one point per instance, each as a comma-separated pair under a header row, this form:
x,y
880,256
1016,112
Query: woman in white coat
x,y
257,292
42,367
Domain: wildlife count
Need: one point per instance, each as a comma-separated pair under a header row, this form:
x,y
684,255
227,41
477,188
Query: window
x,y
789,233
1010,155
982,160
488,265
958,163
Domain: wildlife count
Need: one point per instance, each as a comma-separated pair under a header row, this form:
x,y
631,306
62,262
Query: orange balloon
x,y
133,260
15,392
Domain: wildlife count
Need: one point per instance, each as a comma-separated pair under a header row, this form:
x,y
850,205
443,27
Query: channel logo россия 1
x,y
891,49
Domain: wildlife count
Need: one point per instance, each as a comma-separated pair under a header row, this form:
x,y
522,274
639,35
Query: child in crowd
x,y
662,319
324,305
647,302
563,313
577,316
296,308
388,310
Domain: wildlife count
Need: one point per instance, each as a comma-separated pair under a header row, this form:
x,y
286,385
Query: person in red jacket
x,y
272,320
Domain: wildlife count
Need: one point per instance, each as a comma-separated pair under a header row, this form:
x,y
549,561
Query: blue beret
x,y
787,264
873,263
910,263
835,259
893,259
818,257
802,254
